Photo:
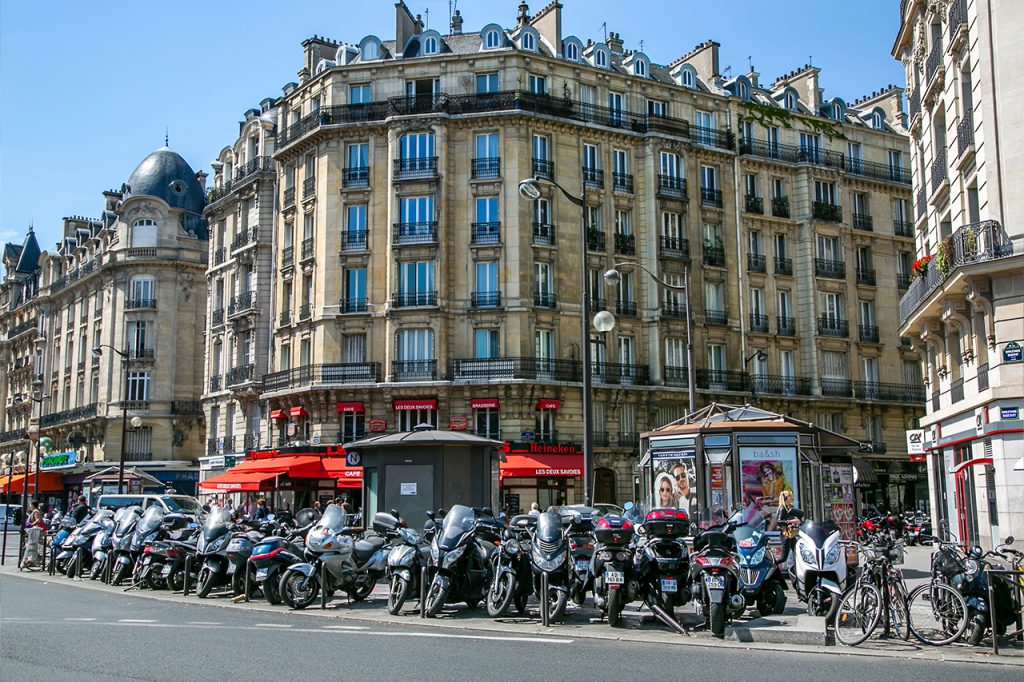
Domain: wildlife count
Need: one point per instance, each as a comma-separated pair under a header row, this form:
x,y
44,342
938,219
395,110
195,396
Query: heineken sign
x,y
61,460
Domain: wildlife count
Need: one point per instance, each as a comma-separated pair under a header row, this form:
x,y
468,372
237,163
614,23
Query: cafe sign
x,y
61,460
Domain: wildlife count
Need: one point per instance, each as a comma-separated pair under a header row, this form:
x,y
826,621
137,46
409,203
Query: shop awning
x,y
298,411
863,474
46,481
548,404
541,466
347,477
240,480
421,404
484,403
350,408
278,414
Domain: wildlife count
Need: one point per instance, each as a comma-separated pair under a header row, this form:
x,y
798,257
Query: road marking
x,y
346,627
273,625
81,620
135,620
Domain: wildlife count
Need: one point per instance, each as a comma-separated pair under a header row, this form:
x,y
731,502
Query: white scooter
x,y
820,566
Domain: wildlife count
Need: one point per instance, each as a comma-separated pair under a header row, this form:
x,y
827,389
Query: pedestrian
x,y
81,509
261,512
534,509
787,518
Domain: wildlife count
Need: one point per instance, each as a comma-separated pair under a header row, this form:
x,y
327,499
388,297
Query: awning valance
x,y
542,466
240,480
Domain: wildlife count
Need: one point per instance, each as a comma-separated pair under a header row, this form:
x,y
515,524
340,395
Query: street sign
x,y
1012,352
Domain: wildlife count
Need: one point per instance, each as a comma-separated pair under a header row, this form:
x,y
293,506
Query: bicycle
x,y
879,594
938,611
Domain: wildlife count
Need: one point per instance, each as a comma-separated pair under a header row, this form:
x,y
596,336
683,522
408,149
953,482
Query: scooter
x,y
820,567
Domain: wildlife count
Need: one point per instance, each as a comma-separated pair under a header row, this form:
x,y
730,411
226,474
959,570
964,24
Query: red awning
x,y
298,411
484,403
421,404
46,481
348,408
348,477
240,480
278,414
548,404
541,466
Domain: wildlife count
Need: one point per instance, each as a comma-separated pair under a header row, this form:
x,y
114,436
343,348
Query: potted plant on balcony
x,y
920,267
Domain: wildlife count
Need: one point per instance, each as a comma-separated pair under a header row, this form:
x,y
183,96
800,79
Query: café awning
x,y
541,466
240,480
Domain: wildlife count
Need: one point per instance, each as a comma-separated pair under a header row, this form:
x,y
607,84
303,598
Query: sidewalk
x,y
793,630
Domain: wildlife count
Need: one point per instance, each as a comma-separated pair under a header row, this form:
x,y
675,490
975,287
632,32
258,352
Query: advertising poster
x,y
767,471
675,480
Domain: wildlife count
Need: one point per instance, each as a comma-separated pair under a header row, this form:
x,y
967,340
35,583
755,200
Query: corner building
x,y
413,284
965,308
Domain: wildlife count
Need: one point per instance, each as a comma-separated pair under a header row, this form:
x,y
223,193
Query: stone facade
x,y
965,309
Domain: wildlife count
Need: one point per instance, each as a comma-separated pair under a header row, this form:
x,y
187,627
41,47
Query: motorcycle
x,y
212,550
714,575
661,560
406,558
511,569
820,567
760,579
460,558
121,542
352,566
615,583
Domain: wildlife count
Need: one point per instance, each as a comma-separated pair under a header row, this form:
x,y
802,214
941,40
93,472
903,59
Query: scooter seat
x,y
365,548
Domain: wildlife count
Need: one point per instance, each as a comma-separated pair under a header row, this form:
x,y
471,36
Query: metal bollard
x,y
323,585
545,605
423,592
188,575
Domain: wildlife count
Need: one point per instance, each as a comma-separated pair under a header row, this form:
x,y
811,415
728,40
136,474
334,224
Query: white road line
x,y
81,620
135,620
272,625
346,627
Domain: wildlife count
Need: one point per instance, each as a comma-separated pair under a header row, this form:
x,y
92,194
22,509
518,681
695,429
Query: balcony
x,y
626,308
878,171
783,266
307,250
242,303
894,393
759,323
244,238
672,187
353,240
309,187
415,233
323,375
416,168
832,326
485,299
718,318
543,299
965,134
752,204
414,370
836,388
903,228
868,333
786,325
676,309
543,234
866,277
617,373
714,255
593,178
780,207
939,171
833,269
976,243
417,299
863,221
542,168
711,197
595,240
674,247
486,233
625,244
772,384
288,257
288,200
622,182
67,416
242,374
500,369
356,176
489,167
723,139
822,210
354,305
721,380
756,262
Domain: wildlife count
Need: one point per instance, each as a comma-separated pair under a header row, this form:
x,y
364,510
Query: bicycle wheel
x,y
858,614
938,613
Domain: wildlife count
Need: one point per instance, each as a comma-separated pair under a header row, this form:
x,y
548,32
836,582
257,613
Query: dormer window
x,y
430,45
527,41
686,78
492,39
572,52
640,67
791,101
600,59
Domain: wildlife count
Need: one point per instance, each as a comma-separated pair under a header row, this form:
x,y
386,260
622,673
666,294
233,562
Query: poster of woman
x,y
675,483
767,472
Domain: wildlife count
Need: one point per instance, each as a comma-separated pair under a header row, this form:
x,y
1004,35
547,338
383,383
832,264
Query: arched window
x,y
600,59
572,52
527,41
143,233
686,78
640,68
430,45
492,39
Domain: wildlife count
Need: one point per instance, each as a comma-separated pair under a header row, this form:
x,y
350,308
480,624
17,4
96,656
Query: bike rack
x,y
188,573
323,585
545,605
1015,585
423,592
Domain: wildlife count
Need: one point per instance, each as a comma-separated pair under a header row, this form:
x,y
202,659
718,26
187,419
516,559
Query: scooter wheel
x,y
615,604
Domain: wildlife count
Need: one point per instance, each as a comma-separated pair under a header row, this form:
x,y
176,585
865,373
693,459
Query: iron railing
x,y
323,375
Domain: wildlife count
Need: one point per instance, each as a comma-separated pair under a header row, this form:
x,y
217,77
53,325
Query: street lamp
x,y
612,278
530,189
98,352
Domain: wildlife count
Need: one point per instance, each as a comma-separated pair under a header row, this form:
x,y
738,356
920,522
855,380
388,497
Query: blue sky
x,y
88,87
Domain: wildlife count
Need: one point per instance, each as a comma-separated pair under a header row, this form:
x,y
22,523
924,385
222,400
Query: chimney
x,y
457,23
614,42
524,15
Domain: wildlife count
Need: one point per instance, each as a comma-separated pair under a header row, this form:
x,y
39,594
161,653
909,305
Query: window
x,y
138,386
430,45
144,233
360,94
487,82
572,52
492,39
486,343
538,85
528,41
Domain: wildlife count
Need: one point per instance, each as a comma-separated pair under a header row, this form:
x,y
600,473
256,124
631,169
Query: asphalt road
x,y
56,631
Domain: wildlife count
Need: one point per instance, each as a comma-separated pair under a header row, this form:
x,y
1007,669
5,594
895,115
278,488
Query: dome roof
x,y
164,174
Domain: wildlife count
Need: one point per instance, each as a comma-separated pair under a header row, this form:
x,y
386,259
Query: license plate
x,y
614,577
669,585
261,573
582,565
715,582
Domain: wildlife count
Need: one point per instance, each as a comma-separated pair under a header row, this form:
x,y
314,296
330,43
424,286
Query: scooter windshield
x,y
151,520
459,520
549,527
216,523
334,518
